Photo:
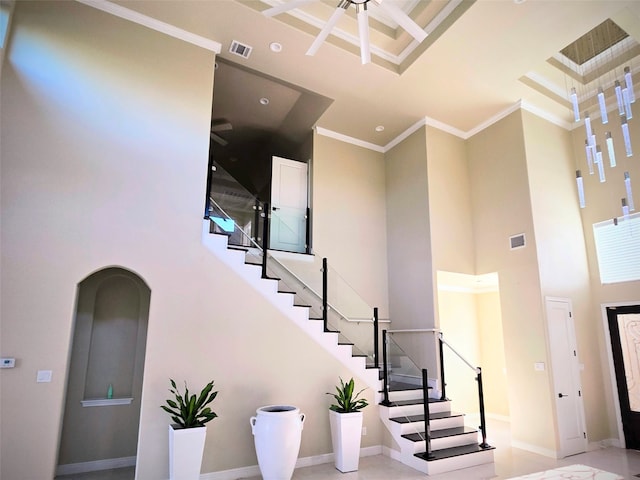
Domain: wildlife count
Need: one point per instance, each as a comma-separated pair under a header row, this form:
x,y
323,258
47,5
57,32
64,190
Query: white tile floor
x,y
509,462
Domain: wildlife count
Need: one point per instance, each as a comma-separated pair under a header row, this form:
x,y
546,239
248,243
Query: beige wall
x,y
459,323
501,207
349,217
494,367
104,156
561,250
450,211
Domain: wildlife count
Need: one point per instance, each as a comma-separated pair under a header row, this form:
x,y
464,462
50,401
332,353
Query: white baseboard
x,y
496,416
254,470
606,443
83,467
534,449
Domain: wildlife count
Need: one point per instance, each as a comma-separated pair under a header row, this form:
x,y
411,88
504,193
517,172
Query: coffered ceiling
x,y
479,61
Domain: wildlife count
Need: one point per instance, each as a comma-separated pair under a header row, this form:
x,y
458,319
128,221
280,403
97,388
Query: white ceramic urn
x,y
277,432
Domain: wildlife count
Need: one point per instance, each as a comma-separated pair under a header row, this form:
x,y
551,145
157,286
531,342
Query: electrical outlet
x,y
364,431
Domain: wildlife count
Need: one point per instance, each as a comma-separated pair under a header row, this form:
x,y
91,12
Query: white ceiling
x,y
479,62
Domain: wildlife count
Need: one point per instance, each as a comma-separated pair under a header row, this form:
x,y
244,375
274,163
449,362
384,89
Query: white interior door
x,y
566,377
289,195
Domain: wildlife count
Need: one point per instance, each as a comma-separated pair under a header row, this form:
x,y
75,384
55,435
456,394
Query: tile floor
x,y
509,462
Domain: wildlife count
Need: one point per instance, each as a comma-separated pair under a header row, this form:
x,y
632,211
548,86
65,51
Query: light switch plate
x,y
538,366
44,376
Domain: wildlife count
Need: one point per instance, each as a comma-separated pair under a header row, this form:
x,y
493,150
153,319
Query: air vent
x,y
240,49
517,241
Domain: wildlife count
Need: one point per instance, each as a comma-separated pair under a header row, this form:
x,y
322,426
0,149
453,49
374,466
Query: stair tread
x,y
287,291
417,401
235,247
453,452
443,433
420,418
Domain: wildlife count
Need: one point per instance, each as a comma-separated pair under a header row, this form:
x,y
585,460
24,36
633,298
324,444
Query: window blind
x,y
618,249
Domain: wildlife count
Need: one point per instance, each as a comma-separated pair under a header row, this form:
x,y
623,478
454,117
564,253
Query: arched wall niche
x,y
102,408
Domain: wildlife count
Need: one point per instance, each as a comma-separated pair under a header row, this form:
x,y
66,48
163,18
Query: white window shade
x,y
618,249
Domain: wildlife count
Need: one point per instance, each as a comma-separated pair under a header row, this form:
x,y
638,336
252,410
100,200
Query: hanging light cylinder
x,y
600,164
625,136
580,185
625,209
603,106
589,153
629,84
627,185
610,149
619,99
574,104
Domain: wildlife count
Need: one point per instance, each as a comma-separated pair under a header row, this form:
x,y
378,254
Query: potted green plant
x,y
345,418
187,435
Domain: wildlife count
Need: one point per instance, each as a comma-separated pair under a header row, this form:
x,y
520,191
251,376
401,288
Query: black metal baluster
x,y
376,353
385,370
325,289
443,385
425,403
483,423
265,238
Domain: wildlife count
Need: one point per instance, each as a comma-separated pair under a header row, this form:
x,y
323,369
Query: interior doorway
x,y
624,333
565,370
290,206
104,382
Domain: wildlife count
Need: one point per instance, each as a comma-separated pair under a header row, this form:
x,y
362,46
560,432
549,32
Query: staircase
x,y
453,445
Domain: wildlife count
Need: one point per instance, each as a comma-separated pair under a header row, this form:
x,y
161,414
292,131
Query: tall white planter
x,y
186,447
346,429
277,432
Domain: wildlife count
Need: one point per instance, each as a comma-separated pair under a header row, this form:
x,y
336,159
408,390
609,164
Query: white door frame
x,y
612,371
575,374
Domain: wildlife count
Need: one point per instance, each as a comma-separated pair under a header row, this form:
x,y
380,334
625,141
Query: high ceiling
x,y
479,60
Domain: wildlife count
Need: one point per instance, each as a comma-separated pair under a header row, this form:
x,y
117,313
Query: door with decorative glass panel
x,y
624,328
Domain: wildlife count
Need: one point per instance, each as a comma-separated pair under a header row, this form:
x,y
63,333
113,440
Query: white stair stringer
x,y
268,288
409,448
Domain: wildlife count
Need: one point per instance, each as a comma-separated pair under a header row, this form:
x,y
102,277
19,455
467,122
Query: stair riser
x,y
405,395
448,442
408,410
459,462
439,424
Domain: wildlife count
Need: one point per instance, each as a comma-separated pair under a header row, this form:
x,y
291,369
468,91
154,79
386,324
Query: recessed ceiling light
x,y
264,101
275,47
379,128
518,2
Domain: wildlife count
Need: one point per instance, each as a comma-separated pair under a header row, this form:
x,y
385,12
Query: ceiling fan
x,y
387,6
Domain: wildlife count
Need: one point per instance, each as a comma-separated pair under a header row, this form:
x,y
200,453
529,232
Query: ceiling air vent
x,y
517,241
238,48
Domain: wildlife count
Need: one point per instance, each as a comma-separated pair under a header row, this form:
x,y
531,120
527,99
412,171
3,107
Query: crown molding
x,y
153,24
347,139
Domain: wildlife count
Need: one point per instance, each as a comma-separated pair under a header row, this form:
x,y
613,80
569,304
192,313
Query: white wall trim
x,y
420,123
154,24
107,464
347,139
545,115
254,470
535,449
520,104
